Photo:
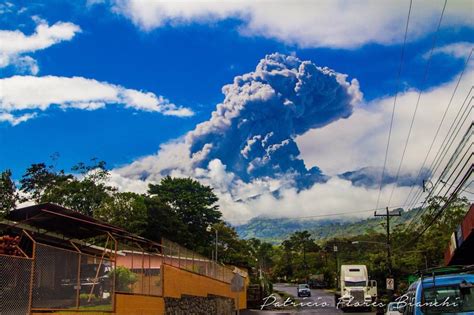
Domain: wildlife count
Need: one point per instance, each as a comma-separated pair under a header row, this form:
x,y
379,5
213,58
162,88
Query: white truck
x,y
357,291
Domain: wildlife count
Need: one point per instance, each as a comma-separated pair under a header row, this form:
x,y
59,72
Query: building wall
x,y
128,304
178,282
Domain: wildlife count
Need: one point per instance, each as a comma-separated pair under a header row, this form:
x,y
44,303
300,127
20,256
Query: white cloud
x,y
25,64
241,201
20,93
14,44
343,145
457,50
360,140
327,23
15,120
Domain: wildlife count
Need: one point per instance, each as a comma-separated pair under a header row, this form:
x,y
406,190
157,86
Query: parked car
x,y
393,309
89,281
303,290
453,286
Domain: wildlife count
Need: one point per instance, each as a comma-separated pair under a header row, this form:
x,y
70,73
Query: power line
x,y
441,209
444,148
457,152
448,165
464,189
463,141
440,151
439,126
425,76
402,56
330,214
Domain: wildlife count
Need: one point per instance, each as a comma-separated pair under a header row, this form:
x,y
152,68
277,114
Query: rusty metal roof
x,y
67,222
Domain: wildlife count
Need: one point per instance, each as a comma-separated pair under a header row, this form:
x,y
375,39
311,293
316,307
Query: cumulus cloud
x,y
14,44
328,23
252,131
358,143
33,94
246,150
271,197
348,150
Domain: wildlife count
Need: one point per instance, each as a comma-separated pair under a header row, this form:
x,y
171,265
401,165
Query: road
x,y
318,297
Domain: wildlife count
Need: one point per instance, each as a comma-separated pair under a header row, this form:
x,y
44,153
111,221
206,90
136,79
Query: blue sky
x,y
187,56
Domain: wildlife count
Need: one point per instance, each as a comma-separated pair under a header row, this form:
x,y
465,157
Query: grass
x,y
98,308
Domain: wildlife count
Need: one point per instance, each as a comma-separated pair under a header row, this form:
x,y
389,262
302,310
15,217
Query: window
x,y
460,300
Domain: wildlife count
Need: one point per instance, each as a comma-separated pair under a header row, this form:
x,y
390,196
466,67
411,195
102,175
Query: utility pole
x,y
388,215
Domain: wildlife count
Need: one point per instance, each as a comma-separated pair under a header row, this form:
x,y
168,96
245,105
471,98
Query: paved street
x,y
317,296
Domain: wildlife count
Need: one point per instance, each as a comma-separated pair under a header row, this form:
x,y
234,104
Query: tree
x,y
194,204
84,191
162,221
231,249
263,252
39,179
124,209
8,193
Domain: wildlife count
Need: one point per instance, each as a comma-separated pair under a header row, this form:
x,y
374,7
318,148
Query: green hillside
x,y
275,230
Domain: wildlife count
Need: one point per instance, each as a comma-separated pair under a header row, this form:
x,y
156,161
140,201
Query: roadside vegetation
x,y
181,209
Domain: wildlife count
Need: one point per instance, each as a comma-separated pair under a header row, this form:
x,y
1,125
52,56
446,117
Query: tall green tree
x,y
84,191
231,249
162,221
264,254
8,193
39,179
194,204
124,209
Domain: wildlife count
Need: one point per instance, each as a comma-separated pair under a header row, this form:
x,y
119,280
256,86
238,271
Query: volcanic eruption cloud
x,y
248,145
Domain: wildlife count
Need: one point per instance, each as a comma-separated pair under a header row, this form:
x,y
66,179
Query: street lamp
x,y
209,229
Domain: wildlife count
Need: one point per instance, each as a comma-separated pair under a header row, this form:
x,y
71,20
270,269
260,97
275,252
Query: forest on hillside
x,y
183,209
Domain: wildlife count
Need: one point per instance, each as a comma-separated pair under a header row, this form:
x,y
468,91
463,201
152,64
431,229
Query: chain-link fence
x,y
65,279
138,271
178,256
81,277
15,280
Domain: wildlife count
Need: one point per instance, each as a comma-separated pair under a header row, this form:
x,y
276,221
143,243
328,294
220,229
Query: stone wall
x,y
195,305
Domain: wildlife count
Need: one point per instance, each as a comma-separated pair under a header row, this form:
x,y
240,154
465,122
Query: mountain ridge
x,y
276,230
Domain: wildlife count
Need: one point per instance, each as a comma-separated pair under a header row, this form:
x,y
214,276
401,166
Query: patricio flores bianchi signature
x,y
403,301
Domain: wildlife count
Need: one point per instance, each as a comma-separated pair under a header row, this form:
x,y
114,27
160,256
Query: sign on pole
x,y
390,284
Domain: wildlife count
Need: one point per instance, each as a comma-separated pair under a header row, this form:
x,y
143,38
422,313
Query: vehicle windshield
x,y
91,270
355,283
303,286
457,300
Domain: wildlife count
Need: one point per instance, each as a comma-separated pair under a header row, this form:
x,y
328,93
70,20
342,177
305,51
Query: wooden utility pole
x,y
388,215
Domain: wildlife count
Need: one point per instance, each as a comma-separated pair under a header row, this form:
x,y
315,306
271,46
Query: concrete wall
x,y
199,305
178,282
128,304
